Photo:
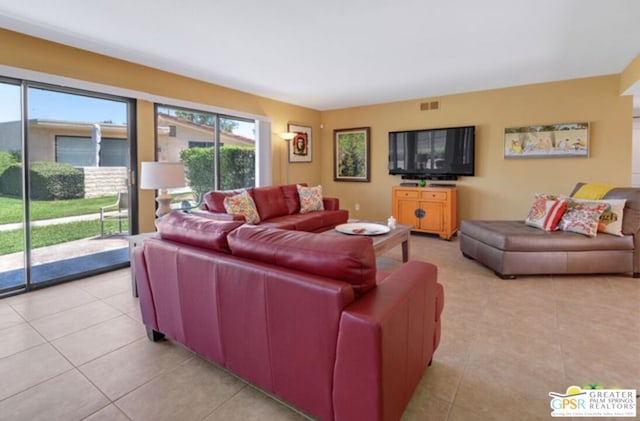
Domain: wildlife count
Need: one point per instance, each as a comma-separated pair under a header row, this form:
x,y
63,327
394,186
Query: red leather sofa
x,y
279,207
300,315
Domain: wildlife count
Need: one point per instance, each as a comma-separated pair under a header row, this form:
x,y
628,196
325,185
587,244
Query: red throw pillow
x,y
546,212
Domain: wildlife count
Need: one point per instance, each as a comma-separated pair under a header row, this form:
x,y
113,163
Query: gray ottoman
x,y
512,248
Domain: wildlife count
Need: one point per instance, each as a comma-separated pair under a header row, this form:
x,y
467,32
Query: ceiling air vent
x,y
433,105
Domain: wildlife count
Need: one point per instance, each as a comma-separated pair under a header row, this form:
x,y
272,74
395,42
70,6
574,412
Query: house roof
x,y
342,53
225,135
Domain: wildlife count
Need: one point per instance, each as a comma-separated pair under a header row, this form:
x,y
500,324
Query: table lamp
x,y
162,176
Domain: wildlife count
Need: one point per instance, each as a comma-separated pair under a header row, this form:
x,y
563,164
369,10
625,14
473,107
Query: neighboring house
x,y
176,133
68,142
72,142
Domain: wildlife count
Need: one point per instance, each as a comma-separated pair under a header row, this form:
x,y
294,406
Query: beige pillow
x,y
310,198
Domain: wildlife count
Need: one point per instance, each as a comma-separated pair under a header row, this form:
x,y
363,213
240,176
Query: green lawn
x,y
12,241
11,208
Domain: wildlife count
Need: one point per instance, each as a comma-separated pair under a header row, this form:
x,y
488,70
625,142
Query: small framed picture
x,y
351,154
300,145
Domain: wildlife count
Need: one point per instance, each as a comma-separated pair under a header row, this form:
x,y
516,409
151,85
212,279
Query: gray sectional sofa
x,y
511,248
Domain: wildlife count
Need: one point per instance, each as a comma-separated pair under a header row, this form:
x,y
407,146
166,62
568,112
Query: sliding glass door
x,y
12,212
218,151
65,182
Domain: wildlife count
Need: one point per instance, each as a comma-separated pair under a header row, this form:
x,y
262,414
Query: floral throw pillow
x,y
611,218
582,218
242,204
546,212
310,198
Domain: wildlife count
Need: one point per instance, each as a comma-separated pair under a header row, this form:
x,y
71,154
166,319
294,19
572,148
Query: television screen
x,y
432,153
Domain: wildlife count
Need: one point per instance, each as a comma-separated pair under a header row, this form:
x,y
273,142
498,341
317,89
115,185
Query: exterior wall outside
x,y
42,137
169,147
41,144
10,137
104,181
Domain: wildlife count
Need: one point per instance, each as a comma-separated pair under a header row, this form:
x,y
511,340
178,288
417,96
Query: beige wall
x,y
630,77
30,53
501,188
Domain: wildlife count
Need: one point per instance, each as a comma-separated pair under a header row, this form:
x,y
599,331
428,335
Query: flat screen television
x,y
432,154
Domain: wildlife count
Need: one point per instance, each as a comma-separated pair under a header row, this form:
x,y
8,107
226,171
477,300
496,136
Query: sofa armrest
x,y
331,203
147,304
631,219
385,342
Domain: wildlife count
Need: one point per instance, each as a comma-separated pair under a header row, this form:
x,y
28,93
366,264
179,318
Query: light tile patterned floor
x,y
78,351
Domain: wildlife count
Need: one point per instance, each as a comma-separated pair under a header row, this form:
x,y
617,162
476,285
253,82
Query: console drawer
x,y
407,194
430,195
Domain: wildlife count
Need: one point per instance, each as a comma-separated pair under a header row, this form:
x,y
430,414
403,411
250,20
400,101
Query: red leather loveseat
x,y
301,315
279,207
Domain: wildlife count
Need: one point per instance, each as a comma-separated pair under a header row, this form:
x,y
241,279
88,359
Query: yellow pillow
x,y
593,191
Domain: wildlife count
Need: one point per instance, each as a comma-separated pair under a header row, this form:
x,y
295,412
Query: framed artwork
x,y
300,145
351,154
547,141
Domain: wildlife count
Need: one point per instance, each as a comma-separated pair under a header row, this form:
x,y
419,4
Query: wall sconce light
x,y
287,137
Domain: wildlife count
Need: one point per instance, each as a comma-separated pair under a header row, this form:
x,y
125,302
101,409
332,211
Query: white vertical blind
x,y
263,146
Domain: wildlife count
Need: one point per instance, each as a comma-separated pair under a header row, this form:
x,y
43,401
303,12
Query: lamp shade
x,y
161,175
288,136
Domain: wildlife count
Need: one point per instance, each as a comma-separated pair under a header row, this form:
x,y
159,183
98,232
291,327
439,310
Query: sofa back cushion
x,y
346,258
631,195
214,199
291,198
270,202
196,230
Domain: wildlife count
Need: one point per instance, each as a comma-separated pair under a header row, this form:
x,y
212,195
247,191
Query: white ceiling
x,y
340,53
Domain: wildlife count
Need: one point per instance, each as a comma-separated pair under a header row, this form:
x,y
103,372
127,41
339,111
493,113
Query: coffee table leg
x,y
405,250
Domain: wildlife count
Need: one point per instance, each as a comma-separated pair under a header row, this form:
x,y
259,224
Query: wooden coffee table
x,y
382,243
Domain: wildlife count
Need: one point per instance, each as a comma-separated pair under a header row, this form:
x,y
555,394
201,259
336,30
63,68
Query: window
x,y
219,151
79,152
193,144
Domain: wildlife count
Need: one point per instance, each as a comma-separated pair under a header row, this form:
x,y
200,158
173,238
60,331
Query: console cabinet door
x,y
405,213
432,220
